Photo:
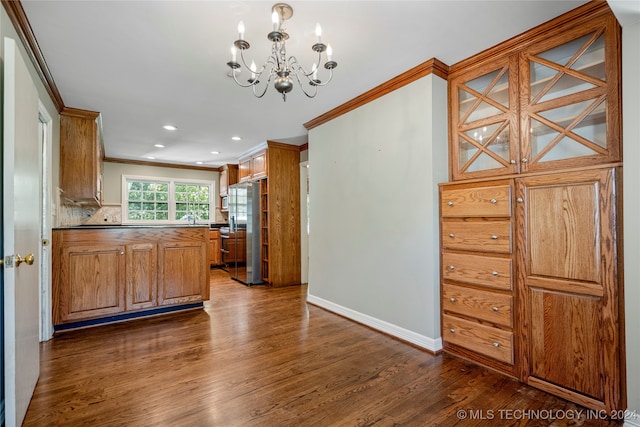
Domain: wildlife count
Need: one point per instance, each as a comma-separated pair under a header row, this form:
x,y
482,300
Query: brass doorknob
x,y
27,260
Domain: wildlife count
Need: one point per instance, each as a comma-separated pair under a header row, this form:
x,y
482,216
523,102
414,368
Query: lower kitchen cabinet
x,y
94,278
183,274
102,272
215,254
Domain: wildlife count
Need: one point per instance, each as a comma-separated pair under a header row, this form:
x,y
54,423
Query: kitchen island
x,y
114,273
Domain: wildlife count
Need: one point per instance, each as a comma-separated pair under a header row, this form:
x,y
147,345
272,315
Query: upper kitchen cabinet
x,y
228,176
81,156
548,104
253,166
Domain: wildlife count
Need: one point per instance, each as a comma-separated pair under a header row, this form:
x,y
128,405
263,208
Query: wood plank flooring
x,y
263,357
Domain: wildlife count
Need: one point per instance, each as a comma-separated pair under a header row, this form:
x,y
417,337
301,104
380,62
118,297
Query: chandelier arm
x,y
238,82
310,94
258,73
266,86
329,80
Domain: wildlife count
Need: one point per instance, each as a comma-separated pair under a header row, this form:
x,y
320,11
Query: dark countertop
x,y
109,226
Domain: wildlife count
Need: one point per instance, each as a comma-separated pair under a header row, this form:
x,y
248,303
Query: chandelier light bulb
x,y
319,32
275,19
233,53
329,52
315,71
241,30
253,70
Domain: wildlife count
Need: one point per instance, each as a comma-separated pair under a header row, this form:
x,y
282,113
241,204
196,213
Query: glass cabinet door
x,y
484,121
571,102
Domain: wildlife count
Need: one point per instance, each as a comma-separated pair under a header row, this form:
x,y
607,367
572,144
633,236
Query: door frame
x,y
46,142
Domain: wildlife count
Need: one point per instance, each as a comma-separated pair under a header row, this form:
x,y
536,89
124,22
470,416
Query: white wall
x,y
373,244
113,177
631,181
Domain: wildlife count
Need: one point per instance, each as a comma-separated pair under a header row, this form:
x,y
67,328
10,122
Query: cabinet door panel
x,y
93,280
141,275
569,282
183,274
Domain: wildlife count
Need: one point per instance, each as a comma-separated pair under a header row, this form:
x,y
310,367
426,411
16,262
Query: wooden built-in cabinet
x,y
531,281
81,156
554,104
228,176
102,272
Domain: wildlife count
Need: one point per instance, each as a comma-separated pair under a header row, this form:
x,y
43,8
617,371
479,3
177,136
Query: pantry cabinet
x,y
531,283
552,105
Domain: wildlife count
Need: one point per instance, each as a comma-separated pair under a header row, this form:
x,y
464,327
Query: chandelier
x,y
278,67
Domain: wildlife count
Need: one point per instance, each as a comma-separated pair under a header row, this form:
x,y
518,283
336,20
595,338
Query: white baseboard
x,y
632,421
431,344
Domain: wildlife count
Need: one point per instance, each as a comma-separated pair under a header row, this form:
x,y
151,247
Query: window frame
x,y
124,199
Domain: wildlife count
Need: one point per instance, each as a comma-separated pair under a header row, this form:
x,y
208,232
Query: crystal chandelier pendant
x,y
277,67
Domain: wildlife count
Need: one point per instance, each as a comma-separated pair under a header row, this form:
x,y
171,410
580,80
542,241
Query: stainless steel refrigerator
x,y
244,227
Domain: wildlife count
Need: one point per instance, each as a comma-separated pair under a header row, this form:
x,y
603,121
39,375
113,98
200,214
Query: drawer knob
x,y
496,344
451,268
495,309
121,252
494,237
525,160
452,235
453,331
450,203
494,201
519,200
452,299
495,273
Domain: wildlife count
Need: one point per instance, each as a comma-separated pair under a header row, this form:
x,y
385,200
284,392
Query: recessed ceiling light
x,y
199,163
236,138
169,127
151,158
215,152
158,145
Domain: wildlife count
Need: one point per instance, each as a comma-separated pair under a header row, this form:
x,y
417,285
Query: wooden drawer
x,y
484,305
493,201
214,234
482,339
477,270
485,236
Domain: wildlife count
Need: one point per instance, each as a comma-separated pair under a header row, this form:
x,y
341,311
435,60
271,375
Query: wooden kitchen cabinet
x,y
141,276
253,165
103,272
81,156
183,272
571,294
215,254
552,103
94,277
228,176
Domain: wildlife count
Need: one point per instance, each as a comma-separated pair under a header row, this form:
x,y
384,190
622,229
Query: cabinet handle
x,y
121,252
494,237
453,331
450,203
496,344
451,268
452,235
513,162
452,299
494,201
495,309
525,160
495,273
519,200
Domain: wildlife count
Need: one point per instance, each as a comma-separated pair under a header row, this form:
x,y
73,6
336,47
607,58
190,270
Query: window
x,y
166,200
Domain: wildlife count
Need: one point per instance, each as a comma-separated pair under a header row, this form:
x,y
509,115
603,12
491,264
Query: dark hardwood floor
x,y
263,357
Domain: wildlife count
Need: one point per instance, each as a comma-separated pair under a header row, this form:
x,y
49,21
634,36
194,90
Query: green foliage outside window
x,y
150,201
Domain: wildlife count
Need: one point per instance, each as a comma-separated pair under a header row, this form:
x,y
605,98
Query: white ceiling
x,y
143,64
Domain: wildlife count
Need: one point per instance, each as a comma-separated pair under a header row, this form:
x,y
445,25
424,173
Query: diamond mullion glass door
x,y
570,99
484,124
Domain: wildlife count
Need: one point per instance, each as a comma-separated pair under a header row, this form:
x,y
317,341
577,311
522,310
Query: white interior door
x,y
21,228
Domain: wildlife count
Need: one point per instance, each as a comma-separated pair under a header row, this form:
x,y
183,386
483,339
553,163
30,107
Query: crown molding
x,y
20,22
432,66
160,165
